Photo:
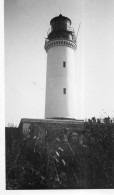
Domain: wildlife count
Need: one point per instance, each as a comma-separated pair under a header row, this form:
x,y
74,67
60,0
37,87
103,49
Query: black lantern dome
x,y
61,19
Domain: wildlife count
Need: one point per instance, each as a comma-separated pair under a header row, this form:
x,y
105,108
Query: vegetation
x,y
80,159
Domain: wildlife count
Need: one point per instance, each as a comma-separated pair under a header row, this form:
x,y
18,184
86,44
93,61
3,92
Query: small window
x,y
64,90
64,64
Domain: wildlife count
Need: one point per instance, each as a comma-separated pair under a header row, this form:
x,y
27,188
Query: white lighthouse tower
x,y
60,46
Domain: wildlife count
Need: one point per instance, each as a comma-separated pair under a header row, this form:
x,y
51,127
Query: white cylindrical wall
x,y
57,103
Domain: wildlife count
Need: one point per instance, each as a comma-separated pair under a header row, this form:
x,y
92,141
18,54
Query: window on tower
x,y
64,64
64,90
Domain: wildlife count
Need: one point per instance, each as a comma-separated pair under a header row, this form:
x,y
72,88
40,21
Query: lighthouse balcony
x,y
59,42
60,38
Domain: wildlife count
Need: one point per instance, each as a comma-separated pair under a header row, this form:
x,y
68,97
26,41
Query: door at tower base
x,y
60,83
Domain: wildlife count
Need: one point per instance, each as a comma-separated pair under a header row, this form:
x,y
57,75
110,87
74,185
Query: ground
x,y
60,157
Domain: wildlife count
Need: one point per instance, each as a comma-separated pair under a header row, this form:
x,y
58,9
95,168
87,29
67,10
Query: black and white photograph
x,y
59,94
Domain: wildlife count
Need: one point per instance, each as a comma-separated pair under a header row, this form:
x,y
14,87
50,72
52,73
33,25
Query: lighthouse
x,y
60,46
60,99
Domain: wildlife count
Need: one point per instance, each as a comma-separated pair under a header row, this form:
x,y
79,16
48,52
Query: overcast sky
x,y
26,25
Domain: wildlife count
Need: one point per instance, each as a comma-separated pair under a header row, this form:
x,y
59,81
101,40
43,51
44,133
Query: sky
x,y
26,25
